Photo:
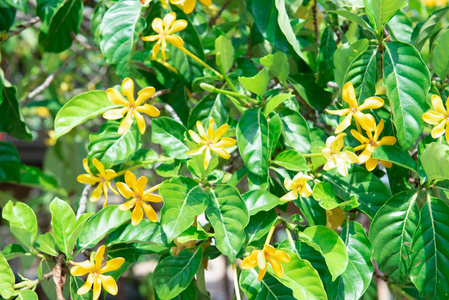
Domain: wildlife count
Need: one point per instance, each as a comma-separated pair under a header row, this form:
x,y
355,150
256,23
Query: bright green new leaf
x,y
260,200
27,295
277,64
170,134
19,4
226,58
441,56
275,102
193,234
435,161
258,83
7,279
395,155
46,243
344,56
22,222
323,193
14,250
354,18
291,160
381,11
63,222
259,225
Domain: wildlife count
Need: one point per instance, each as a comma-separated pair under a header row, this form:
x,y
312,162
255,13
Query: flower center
x,y
210,143
354,109
138,197
131,106
374,143
95,271
447,116
103,179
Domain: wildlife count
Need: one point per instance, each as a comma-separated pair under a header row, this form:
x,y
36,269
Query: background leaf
x,y
344,56
11,119
381,11
9,162
440,56
435,161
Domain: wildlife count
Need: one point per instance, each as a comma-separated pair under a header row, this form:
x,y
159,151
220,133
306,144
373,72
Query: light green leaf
x,y
75,284
291,160
27,295
46,243
229,216
224,46
19,4
183,201
193,234
274,133
170,134
294,130
275,102
435,161
353,17
344,56
395,155
13,250
22,222
323,193
7,279
63,222
9,162
428,28
269,288
400,27
440,55
277,64
258,83
260,200
407,80
83,107
381,11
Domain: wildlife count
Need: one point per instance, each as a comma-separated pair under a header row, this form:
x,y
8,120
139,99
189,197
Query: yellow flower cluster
x,y
260,257
439,117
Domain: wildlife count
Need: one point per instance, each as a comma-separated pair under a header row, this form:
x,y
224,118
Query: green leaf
x,y
7,279
329,245
344,56
120,30
183,201
407,80
33,177
63,222
353,17
269,288
427,29
381,11
271,19
252,140
314,95
27,295
212,106
226,58
228,215
170,134
173,274
256,84
301,278
323,193
430,273
56,36
46,243
274,133
11,119
9,162
101,224
112,148
370,191
193,234
435,161
440,56
260,200
19,4
75,284
326,56
294,130
391,234
7,16
22,222
291,160
275,102
277,64
45,10
400,27
83,107
146,232
259,225
395,155
13,250
362,75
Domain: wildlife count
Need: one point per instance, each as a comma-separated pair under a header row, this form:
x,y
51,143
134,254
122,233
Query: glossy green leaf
x,y
27,295
45,10
170,134
400,27
75,284
260,200
381,11
362,75
46,243
66,19
259,225
370,191
173,274
395,155
440,56
435,161
7,279
7,16
314,95
146,232
63,222
13,250
313,212
22,222
344,56
183,201
326,56
101,224
428,28
193,234
430,272
391,234
229,216
323,193
112,148
277,64
294,130
19,4
269,288
291,160
212,106
275,102
120,29
224,46
189,293
252,140
83,107
354,18
9,162
258,83
11,119
274,133
407,80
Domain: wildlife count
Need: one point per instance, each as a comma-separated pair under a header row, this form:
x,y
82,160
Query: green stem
x,y
290,238
212,89
200,61
312,154
220,67
399,290
236,282
270,234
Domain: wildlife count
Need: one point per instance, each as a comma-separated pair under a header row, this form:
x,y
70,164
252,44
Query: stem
x,y
168,66
212,89
23,27
220,67
236,282
59,277
270,234
83,201
312,154
200,61
403,294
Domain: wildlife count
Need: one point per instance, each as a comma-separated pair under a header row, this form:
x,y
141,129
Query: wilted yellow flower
x,y
103,178
439,117
260,257
211,141
166,29
188,5
131,108
297,186
96,277
136,189
335,157
370,143
365,120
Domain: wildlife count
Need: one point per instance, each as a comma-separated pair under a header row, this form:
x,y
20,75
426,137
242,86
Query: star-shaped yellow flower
x,y
439,117
365,120
337,158
166,29
211,141
131,107
136,189
297,186
96,277
188,5
434,3
103,178
260,257
370,143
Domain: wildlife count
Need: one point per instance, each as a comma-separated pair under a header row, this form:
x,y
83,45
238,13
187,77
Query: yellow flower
x,y
434,3
371,143
103,178
96,277
136,189
297,186
260,257
166,29
337,158
210,141
439,117
365,120
131,108
188,5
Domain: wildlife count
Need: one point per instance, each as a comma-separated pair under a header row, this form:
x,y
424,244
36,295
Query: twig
x,y
49,79
77,40
23,27
83,201
160,93
315,20
214,18
59,277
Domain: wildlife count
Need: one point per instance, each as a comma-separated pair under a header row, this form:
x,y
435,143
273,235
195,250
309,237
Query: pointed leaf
x,y
344,56
46,243
11,119
212,106
440,56
170,134
258,83
291,160
7,279
260,200
259,225
22,222
381,11
294,130
395,155
362,75
224,46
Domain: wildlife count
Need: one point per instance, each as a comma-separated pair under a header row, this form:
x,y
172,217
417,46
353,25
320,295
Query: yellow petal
x,y
140,185
137,214
306,191
168,19
112,265
371,164
261,274
447,132
329,165
344,124
326,153
432,117
387,164
175,40
338,112
220,151
247,264
437,104
195,136
378,130
156,49
207,158
149,110
126,123
81,268
226,142
206,2
372,103
115,97
105,193
157,25
188,6
201,130
99,256
144,94
149,212
338,143
150,38
349,157
124,190
115,114
128,89
97,288
109,284
127,205
365,155
152,198
342,168
261,261
282,256
366,122
197,151
387,140
438,130
210,130
130,180
99,166
88,179
277,267
140,121
163,46
87,286
96,194
292,195
268,248
86,166
220,132
349,94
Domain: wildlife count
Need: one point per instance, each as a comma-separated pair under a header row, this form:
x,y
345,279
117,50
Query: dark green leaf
x,y
11,119
34,177
326,56
274,133
291,160
395,155
344,56
22,222
427,29
295,130
440,56
212,106
7,16
353,17
362,75
14,250
314,95
259,225
9,162
170,134
144,232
